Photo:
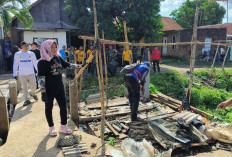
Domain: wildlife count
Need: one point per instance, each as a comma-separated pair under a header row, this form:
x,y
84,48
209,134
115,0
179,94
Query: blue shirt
x,y
140,72
8,52
62,53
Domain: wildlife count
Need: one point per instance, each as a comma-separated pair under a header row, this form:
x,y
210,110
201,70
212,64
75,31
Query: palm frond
x,y
6,19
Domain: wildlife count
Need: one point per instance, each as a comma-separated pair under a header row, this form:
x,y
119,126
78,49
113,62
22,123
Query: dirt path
x,y
28,135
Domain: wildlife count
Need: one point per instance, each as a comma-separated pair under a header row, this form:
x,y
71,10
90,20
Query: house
x,y
173,33
50,21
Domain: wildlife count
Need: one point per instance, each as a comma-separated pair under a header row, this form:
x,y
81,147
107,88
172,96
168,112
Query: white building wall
x,y
61,36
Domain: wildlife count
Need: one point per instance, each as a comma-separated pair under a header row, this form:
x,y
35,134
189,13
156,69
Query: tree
x,y
18,8
142,17
210,13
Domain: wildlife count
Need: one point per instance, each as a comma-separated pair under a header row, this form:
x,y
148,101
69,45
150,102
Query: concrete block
x,y
13,92
4,118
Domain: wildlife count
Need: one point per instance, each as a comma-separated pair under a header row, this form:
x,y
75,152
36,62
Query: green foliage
x,y
210,13
142,17
171,83
20,9
111,141
153,89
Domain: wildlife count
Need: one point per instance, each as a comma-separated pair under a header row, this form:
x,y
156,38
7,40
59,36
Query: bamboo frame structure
x,y
100,79
150,44
215,56
228,48
193,50
106,72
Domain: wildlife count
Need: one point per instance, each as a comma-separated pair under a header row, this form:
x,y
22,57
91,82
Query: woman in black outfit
x,y
50,69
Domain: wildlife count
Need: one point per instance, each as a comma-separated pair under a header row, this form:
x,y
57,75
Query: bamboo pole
x,y
194,49
215,57
106,76
100,79
150,44
225,57
81,79
126,40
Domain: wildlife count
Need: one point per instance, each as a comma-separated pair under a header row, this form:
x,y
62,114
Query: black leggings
x,y
60,98
156,62
134,94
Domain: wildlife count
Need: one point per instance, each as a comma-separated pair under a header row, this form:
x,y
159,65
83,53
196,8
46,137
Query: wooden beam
x,y
73,94
150,44
106,72
100,80
4,120
112,129
194,49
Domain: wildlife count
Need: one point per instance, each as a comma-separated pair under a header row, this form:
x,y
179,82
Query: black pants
x,y
135,59
134,94
9,64
60,98
156,62
126,63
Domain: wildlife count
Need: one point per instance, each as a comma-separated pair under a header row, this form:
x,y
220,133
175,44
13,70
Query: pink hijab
x,y
46,50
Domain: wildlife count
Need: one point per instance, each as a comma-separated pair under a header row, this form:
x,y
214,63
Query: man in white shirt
x,y
25,62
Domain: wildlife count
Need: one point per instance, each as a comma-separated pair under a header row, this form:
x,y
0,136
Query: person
x,y
110,55
135,54
145,54
66,54
80,55
155,57
141,57
37,55
8,56
50,78
89,52
133,81
71,56
35,50
62,53
225,104
25,61
126,57
222,56
119,56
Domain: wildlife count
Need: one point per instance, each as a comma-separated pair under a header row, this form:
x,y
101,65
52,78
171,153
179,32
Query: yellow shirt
x,y
125,55
80,55
89,52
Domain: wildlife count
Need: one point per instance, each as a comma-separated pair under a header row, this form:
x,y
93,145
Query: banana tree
x,y
18,8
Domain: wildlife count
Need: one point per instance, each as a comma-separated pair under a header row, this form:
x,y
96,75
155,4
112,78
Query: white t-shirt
x,y
25,63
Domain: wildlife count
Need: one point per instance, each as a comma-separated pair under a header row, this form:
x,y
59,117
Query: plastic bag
x,y
130,148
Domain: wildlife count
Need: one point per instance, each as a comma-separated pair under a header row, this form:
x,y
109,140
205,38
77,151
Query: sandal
x,y
65,130
52,131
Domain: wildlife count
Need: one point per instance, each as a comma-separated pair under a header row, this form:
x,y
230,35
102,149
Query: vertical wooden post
x,y
215,56
106,76
225,56
4,120
13,92
193,53
73,100
127,46
100,80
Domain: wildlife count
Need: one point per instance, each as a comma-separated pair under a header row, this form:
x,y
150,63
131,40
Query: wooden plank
x,y
87,119
111,128
73,102
116,127
178,103
111,103
124,126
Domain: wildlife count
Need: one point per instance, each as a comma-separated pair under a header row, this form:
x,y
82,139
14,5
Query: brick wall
x,y
186,36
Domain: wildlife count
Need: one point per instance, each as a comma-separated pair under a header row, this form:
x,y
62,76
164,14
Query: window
x,y
173,41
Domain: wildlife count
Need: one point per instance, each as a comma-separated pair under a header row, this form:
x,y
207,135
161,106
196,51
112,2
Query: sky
x,y
168,6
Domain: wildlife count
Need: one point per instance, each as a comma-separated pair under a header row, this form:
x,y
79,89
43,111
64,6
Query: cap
x,y
24,43
34,43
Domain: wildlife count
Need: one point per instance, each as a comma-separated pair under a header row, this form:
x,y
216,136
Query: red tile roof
x,y
219,26
170,24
